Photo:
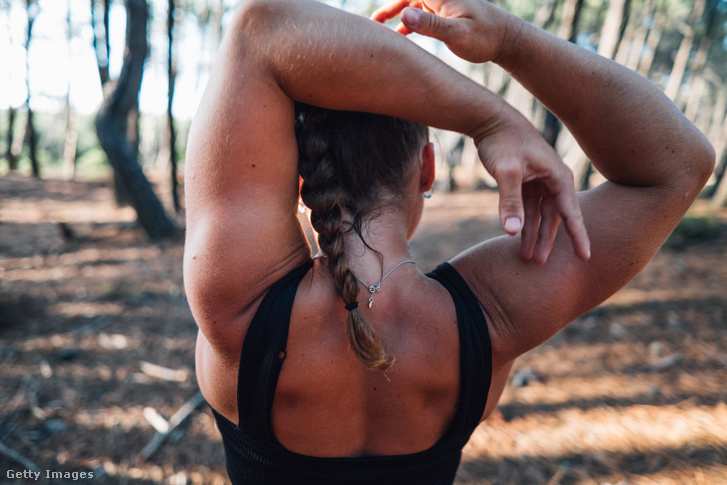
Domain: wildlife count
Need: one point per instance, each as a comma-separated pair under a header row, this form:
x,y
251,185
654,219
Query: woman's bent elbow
x,y
253,17
704,162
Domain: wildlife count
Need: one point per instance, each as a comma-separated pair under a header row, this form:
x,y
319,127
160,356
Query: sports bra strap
x,y
263,353
475,351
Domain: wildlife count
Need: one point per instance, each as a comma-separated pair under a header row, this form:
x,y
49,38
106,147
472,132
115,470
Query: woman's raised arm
x,y
241,169
655,160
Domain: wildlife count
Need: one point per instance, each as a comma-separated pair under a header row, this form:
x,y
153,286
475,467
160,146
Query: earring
x,y
427,196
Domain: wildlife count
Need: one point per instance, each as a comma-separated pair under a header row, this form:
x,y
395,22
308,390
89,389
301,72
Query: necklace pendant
x,y
377,287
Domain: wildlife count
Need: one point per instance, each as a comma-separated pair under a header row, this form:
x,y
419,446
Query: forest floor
x,y
96,339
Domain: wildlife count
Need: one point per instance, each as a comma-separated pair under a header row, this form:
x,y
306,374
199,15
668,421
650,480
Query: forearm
x,y
632,133
326,57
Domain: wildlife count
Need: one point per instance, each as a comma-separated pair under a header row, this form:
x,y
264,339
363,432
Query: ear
x,y
427,163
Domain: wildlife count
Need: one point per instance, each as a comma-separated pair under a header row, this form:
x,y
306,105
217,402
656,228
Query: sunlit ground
x,y
96,336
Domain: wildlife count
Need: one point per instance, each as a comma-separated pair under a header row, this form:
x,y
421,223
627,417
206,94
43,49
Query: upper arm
x,y
241,187
529,303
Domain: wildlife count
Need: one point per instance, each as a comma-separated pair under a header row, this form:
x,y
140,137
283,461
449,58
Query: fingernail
x,y
410,17
512,224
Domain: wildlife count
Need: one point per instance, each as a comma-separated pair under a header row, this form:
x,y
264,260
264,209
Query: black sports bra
x,y
254,456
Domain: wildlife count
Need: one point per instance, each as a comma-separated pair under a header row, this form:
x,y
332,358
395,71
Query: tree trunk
x,y
70,146
640,35
69,149
101,40
18,138
9,154
517,96
629,40
720,196
624,48
568,28
611,33
112,126
545,14
653,37
31,138
682,56
718,137
612,28
171,76
132,128
569,23
696,91
219,11
698,64
715,133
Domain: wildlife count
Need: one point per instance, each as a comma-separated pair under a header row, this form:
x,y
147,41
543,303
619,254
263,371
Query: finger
x,y
509,182
530,227
391,10
570,212
577,230
426,23
550,220
401,28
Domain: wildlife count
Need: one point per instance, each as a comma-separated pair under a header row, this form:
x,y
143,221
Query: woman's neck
x,y
384,245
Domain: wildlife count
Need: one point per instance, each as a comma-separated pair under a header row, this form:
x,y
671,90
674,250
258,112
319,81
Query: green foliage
x,y
91,161
91,164
593,16
522,8
693,230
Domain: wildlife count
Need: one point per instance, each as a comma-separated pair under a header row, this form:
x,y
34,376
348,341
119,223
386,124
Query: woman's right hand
x,y
474,30
536,188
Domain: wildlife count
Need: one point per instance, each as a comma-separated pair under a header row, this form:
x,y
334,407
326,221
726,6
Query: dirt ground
x,y
96,339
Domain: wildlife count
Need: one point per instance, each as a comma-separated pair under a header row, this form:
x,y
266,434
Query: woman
x,y
353,366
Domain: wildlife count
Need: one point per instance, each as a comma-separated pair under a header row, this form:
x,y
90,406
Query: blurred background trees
x,y
81,99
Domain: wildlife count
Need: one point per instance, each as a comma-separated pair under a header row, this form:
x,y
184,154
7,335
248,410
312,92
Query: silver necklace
x,y
377,287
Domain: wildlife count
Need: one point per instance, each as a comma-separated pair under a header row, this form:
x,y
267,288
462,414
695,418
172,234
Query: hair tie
x,y
351,306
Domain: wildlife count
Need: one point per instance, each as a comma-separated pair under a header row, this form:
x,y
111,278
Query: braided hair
x,y
350,163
